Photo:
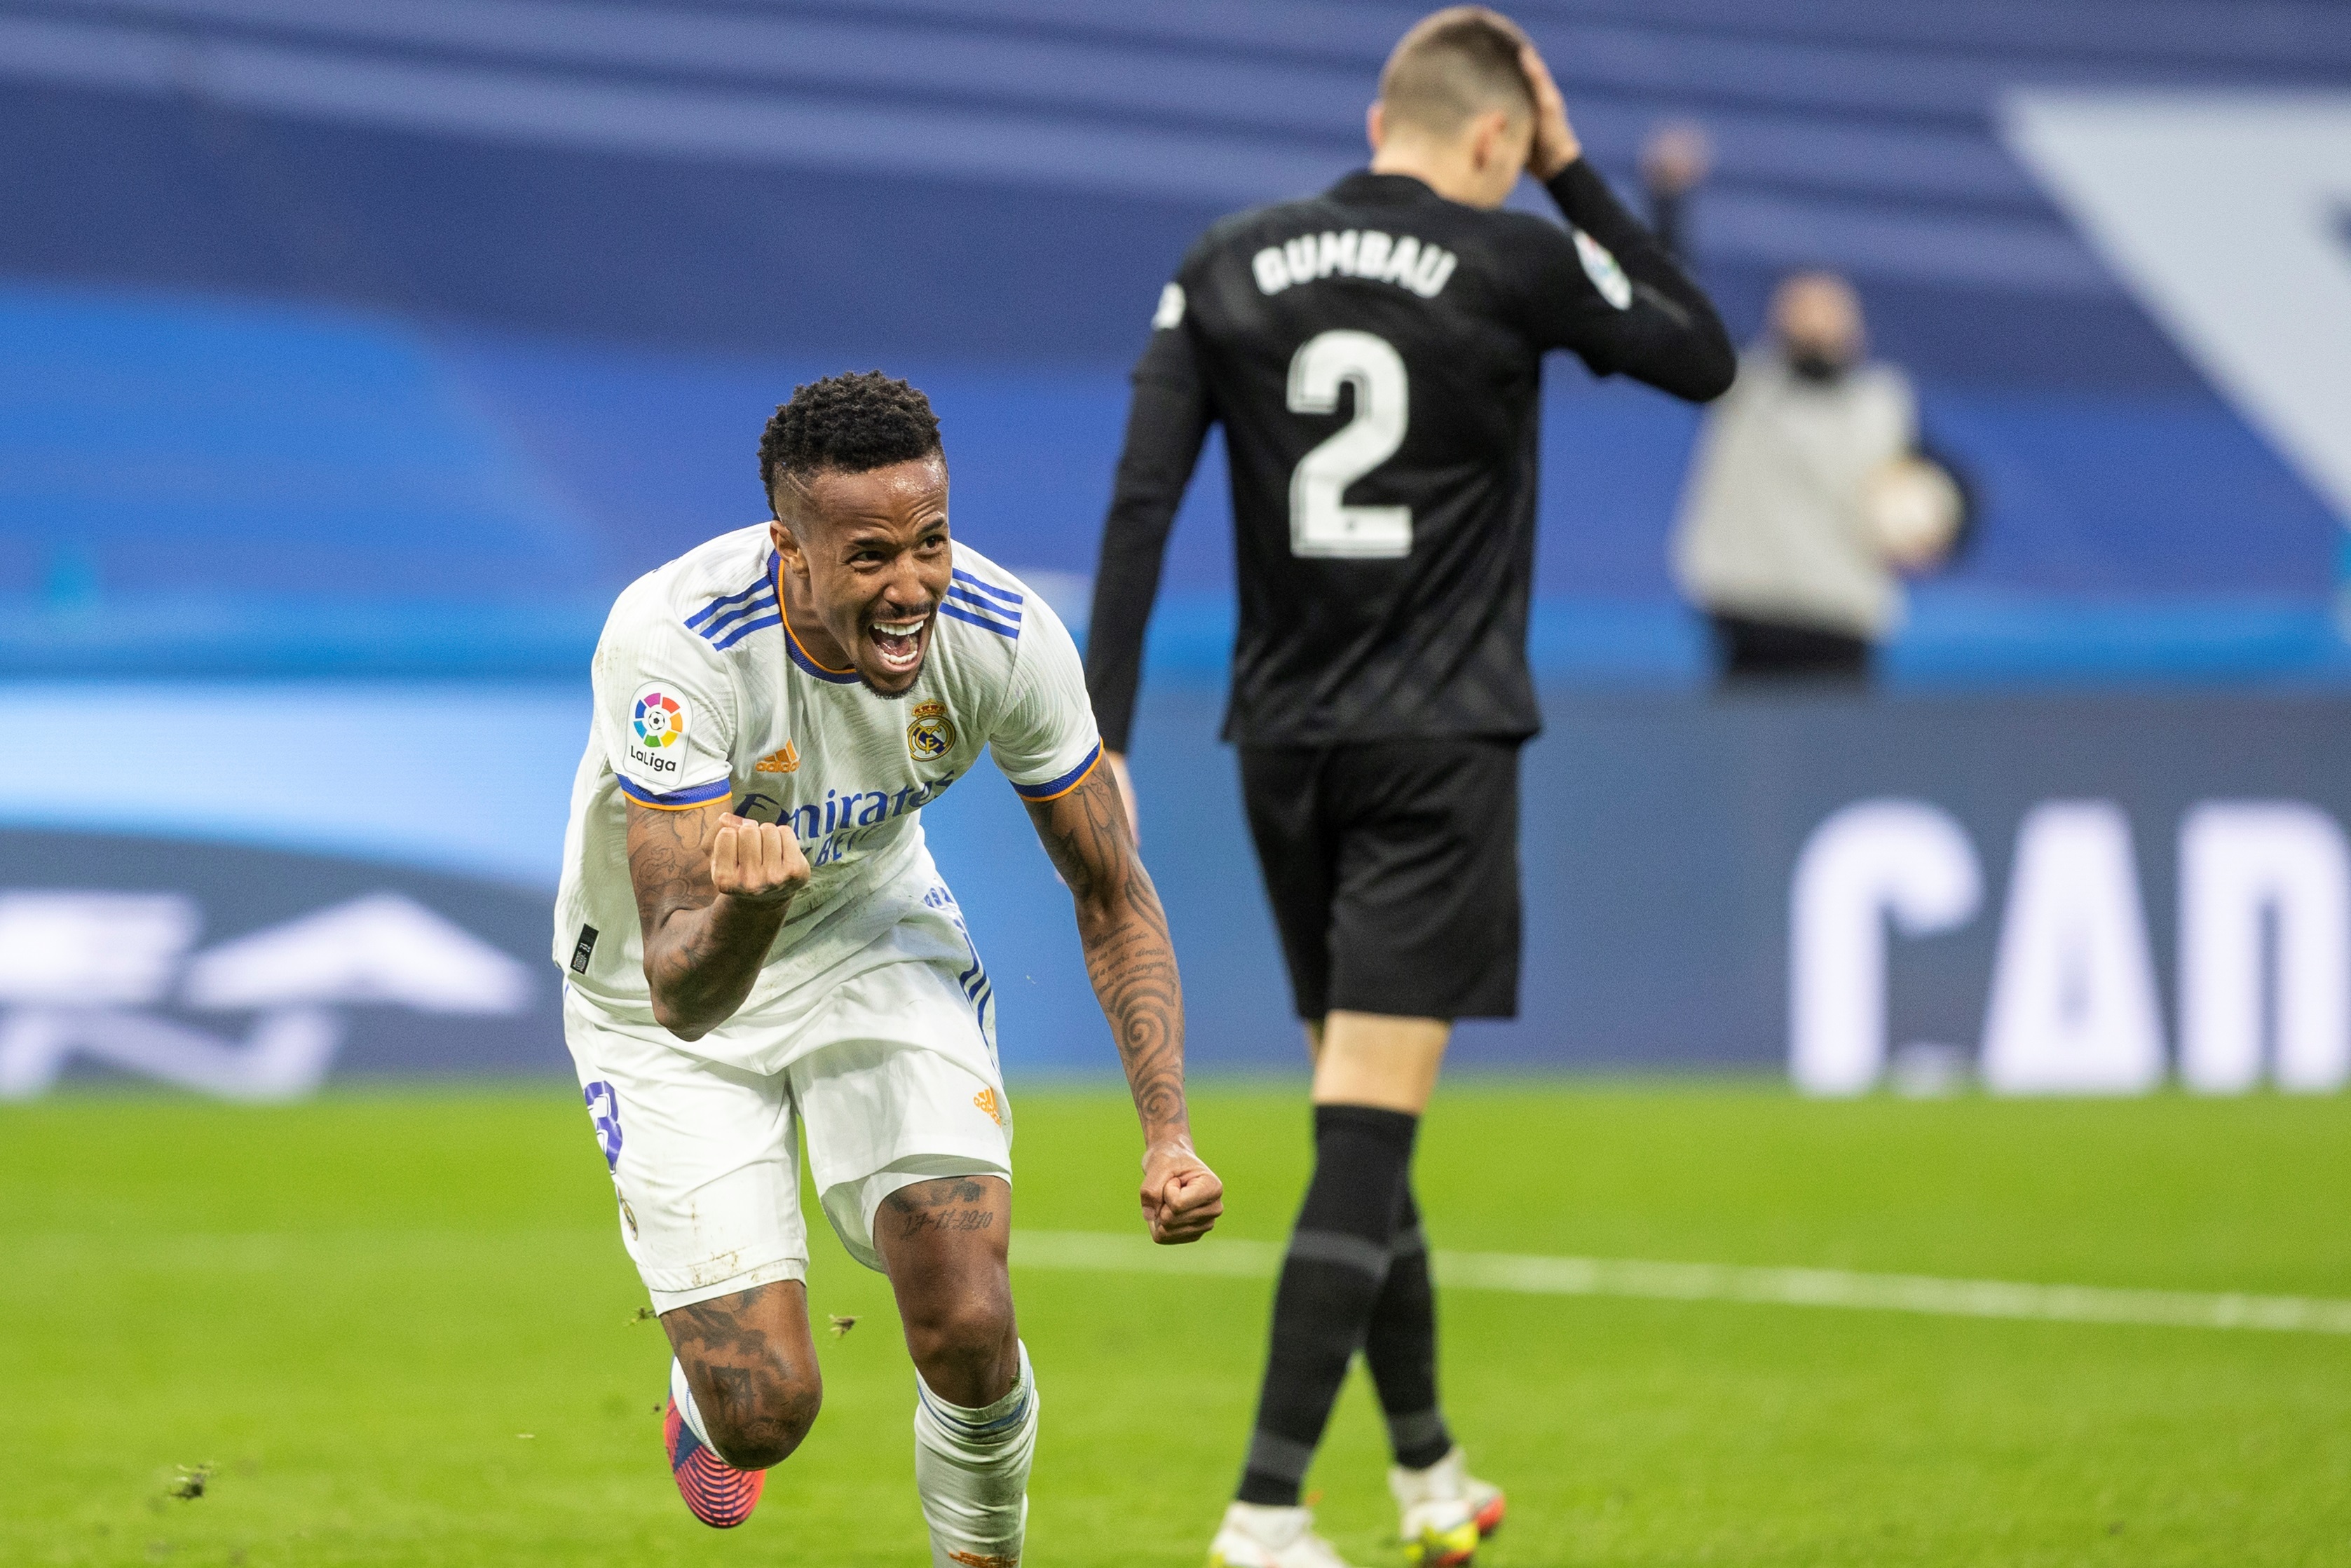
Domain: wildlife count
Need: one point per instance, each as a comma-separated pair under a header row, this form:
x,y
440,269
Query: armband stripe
x,y
684,799
1054,789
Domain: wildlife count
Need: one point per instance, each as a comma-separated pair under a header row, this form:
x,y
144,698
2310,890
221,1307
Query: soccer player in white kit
x,y
757,947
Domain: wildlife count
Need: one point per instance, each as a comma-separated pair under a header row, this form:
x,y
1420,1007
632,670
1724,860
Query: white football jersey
x,y
703,693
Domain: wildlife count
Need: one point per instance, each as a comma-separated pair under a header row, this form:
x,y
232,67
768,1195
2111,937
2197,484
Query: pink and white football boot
x,y
719,1495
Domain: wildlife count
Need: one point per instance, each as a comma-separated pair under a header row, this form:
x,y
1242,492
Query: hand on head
x,y
1556,145
1467,106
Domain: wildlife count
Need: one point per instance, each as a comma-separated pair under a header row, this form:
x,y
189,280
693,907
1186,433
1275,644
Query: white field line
x,y
1540,1276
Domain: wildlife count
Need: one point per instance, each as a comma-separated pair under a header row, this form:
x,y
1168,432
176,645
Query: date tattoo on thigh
x,y
950,1205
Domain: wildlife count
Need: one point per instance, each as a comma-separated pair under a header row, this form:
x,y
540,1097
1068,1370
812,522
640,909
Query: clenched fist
x,y
1181,1196
759,863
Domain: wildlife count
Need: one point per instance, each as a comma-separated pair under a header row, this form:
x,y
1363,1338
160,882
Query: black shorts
x,y
1750,650
1393,867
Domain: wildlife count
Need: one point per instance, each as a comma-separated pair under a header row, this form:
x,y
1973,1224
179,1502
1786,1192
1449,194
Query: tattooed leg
x,y
976,1418
944,1243
752,1366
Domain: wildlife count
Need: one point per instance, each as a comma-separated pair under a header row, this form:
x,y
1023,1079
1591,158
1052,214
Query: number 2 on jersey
x,y
1321,522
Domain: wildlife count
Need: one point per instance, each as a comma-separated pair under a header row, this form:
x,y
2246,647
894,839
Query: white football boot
x,y
1445,1510
1254,1536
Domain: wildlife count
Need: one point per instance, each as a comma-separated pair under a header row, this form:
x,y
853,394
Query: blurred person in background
x,y
1809,498
1375,354
1675,161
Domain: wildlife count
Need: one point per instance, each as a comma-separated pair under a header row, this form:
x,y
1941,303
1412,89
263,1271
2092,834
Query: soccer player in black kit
x,y
1375,354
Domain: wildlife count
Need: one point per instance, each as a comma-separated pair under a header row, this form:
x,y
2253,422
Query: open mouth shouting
x,y
898,643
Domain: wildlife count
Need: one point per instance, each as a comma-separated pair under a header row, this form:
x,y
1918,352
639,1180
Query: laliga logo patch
x,y
659,718
1602,269
932,735
658,721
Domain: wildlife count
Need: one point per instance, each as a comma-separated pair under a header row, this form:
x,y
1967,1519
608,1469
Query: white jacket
x,y
1772,525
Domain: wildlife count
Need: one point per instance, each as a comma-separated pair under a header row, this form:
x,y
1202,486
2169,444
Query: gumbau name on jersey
x,y
1366,253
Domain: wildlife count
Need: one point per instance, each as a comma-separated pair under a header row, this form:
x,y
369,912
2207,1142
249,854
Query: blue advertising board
x,y
2064,892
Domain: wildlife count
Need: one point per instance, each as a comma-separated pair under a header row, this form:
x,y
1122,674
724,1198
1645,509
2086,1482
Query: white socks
x,y
1440,1482
689,1412
971,1468
1268,1525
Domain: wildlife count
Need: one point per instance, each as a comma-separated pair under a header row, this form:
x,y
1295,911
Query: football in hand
x,y
1912,508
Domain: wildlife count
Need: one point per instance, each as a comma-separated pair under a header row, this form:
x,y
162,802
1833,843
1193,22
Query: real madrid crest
x,y
932,735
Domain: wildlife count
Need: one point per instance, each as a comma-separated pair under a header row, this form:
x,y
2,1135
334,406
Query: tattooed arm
x,y
1132,966
713,889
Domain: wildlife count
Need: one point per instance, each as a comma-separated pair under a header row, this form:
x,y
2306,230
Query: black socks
x,y
1346,1286
1401,1348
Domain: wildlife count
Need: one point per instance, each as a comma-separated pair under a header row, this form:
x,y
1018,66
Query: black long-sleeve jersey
x,y
1375,355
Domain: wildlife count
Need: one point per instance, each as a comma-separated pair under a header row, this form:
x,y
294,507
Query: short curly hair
x,y
852,422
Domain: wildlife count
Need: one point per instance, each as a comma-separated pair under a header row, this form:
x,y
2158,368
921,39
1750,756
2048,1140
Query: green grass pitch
x,y
358,1307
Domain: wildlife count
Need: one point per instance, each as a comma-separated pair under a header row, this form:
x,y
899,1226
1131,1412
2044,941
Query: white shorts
x,y
705,1156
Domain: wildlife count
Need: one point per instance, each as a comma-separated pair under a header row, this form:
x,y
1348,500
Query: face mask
x,y
1812,365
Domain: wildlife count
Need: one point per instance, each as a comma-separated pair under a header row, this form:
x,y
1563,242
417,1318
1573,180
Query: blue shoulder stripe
x,y
948,607
756,605
974,603
742,629
693,621
708,620
1006,594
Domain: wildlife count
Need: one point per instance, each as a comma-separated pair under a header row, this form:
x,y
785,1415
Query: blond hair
x,y
1453,65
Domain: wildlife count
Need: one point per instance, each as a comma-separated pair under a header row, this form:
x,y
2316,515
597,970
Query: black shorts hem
x,y
1393,871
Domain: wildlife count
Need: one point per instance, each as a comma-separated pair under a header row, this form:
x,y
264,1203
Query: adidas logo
x,y
788,760
986,1101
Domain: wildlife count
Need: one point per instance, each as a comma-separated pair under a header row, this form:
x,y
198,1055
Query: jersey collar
x,y
1363,188
791,639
